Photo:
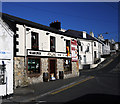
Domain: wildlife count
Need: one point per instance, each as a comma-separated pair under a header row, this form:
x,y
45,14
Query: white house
x,y
106,46
89,48
6,59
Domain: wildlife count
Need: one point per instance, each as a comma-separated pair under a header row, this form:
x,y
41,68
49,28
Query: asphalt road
x,y
101,86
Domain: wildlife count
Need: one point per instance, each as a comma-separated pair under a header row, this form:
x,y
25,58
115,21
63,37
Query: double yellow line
x,y
53,93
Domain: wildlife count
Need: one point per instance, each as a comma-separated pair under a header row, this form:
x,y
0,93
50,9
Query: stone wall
x,y
44,68
59,66
20,75
75,71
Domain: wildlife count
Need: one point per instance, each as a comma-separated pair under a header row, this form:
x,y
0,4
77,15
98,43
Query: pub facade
x,y
41,53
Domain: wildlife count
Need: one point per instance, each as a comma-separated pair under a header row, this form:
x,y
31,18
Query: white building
x,y
89,48
6,59
106,46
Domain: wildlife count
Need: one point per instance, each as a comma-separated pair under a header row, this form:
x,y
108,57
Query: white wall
x,y
44,40
106,49
6,55
21,40
89,58
96,48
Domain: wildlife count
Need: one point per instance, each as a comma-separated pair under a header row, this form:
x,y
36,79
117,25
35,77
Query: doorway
x,y
52,67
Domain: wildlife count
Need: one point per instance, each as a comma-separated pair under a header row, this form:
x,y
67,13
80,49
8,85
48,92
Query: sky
x,y
98,17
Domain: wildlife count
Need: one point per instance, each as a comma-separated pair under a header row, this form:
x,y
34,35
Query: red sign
x,y
74,50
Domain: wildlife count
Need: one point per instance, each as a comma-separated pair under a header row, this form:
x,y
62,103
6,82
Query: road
x,y
100,86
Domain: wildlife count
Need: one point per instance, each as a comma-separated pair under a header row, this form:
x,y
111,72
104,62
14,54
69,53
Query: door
x,y
53,67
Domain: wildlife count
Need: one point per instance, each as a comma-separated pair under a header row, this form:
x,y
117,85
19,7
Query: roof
x,y
12,21
79,34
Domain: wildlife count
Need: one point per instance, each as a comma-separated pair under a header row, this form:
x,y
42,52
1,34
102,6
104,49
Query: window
x,y
67,65
95,54
68,47
94,43
34,38
81,48
87,50
52,44
33,66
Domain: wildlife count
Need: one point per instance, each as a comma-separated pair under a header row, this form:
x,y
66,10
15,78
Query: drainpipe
x,y
92,52
25,51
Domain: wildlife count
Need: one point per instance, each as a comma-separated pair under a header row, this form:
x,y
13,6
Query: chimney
x,y
84,34
56,25
92,34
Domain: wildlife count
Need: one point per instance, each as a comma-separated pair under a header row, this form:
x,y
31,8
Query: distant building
x,y
105,45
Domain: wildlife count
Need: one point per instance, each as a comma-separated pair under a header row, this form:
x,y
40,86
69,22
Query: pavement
x,y
103,64
38,90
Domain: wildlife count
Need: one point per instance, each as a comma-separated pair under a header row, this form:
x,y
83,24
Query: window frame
x,y
70,69
95,44
54,44
68,41
34,74
37,36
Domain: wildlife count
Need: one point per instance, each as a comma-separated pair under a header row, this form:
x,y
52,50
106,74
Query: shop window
x,y
35,45
52,44
67,65
68,47
33,66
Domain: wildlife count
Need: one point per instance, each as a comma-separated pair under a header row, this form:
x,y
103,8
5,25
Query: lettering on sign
x,y
52,54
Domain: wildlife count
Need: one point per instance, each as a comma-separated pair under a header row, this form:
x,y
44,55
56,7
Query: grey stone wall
x,y
20,75
59,66
75,71
44,68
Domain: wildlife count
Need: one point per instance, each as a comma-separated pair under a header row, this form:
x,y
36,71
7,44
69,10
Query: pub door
x,y
53,68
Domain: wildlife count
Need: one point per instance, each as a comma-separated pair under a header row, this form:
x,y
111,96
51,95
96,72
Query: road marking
x,y
38,102
47,93
53,93
108,63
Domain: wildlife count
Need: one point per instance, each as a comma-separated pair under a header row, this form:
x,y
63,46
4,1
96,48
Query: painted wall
x,y
6,55
85,44
21,40
44,40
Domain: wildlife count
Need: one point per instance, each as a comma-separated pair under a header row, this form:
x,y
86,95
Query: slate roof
x,y
14,20
78,34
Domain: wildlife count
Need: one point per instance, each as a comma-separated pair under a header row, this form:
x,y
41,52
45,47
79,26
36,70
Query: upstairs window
x,y
95,44
34,38
81,48
52,44
95,54
68,47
